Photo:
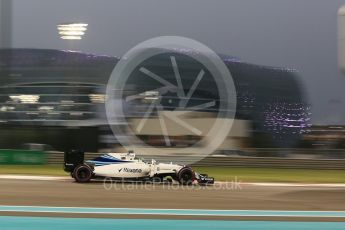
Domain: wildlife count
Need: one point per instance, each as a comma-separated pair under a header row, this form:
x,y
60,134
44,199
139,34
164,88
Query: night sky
x,y
298,34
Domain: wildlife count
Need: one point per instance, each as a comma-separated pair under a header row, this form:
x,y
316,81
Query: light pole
x,y
72,31
341,38
5,23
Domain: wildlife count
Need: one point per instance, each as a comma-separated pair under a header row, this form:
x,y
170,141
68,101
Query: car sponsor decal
x,y
130,170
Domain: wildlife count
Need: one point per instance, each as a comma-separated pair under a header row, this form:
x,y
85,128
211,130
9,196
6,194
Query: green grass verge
x,y
274,175
220,173
50,170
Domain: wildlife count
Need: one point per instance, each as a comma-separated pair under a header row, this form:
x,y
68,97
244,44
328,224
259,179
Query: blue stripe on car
x,y
107,159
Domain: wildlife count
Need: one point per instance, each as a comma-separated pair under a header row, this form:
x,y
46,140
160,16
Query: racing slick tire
x,y
185,176
82,173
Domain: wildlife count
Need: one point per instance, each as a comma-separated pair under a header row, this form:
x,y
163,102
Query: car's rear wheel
x,y
82,174
185,176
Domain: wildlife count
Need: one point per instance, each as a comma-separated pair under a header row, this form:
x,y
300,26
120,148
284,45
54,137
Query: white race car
x,y
125,166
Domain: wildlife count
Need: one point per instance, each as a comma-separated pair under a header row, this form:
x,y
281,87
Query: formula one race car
x,y
125,166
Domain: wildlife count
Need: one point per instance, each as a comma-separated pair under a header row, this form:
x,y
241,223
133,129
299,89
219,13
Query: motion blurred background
x,y
282,56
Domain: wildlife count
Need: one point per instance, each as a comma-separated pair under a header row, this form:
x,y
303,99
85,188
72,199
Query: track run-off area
x,y
30,223
27,202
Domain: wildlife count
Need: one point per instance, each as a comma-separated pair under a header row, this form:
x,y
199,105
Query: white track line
x,y
263,184
326,185
65,178
173,212
31,177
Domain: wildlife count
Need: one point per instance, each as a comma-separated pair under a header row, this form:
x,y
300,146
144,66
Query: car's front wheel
x,y
82,174
185,176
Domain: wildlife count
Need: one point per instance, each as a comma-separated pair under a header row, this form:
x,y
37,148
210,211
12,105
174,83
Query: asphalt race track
x,y
32,201
119,195
128,195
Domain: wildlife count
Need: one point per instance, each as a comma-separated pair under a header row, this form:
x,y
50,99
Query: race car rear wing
x,y
72,159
